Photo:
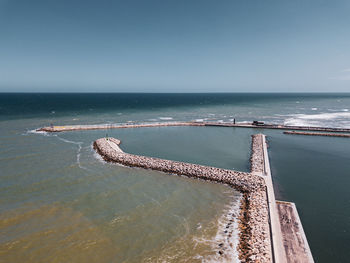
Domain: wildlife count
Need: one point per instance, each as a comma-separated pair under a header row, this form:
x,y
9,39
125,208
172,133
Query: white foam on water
x,y
78,159
100,159
165,118
78,151
68,141
324,116
296,122
28,132
97,156
199,120
243,122
314,108
322,119
229,245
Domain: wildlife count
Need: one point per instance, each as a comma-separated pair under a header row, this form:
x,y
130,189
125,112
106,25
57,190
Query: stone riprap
x,y
276,126
345,135
115,126
257,155
255,229
255,244
242,181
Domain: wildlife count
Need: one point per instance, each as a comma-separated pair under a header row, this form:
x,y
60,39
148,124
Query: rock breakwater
x,y
344,135
185,123
244,182
257,154
255,244
115,126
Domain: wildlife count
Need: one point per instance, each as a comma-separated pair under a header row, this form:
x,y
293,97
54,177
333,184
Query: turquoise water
x,y
60,202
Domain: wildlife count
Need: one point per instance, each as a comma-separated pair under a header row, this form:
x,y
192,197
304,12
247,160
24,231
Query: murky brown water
x,y
60,203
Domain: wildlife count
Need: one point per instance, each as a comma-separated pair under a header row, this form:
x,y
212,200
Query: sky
x,y
174,46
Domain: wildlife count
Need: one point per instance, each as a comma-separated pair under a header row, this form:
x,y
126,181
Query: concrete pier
x,y
264,169
295,243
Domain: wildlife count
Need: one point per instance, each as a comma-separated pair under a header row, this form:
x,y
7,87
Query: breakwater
x,y
184,123
114,126
276,126
318,134
109,149
257,155
255,244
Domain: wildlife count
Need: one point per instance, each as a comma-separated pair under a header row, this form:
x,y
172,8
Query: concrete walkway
x,y
295,243
276,234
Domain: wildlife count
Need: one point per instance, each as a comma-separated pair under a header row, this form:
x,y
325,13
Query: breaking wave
x,y
334,119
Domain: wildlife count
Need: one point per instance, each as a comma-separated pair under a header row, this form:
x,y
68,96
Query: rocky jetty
x,y
185,123
255,244
244,182
115,126
345,135
257,154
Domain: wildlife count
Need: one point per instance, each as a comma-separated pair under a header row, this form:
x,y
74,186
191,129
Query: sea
x,y
60,202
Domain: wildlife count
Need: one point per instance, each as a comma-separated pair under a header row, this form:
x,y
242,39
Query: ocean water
x,y
60,202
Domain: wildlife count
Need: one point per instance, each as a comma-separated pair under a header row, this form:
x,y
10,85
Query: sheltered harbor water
x,y
314,173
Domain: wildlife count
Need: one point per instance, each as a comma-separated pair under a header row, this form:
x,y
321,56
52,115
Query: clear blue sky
x,y
175,46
